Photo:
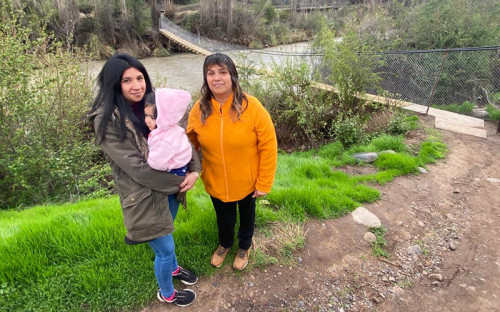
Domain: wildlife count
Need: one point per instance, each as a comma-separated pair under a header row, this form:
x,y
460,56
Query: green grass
x,y
72,257
431,150
464,108
493,113
378,246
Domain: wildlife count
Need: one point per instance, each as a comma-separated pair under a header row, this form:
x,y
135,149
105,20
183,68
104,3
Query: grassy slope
x,y
76,250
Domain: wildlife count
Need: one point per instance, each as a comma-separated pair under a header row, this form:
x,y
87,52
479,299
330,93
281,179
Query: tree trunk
x,y
67,20
169,8
155,15
124,9
293,10
230,22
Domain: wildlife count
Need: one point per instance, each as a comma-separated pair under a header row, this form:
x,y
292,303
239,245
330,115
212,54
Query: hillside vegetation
x,y
102,27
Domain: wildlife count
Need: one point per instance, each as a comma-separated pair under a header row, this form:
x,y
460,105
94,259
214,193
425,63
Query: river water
x,y
185,70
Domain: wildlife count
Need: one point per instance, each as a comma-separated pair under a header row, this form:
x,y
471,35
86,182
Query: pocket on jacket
x,y
136,197
138,217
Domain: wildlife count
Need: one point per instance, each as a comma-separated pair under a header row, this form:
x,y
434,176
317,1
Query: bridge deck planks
x,y
186,44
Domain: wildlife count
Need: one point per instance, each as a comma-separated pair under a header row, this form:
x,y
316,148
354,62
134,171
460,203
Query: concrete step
x,y
452,121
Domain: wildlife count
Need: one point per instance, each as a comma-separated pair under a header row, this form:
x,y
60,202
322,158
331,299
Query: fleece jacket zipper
x,y
222,151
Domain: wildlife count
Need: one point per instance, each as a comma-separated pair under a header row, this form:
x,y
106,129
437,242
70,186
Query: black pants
x,y
226,221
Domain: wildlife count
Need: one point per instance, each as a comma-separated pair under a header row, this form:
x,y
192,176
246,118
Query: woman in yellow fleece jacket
x,y
239,147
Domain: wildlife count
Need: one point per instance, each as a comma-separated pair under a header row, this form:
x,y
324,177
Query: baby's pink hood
x,y
171,105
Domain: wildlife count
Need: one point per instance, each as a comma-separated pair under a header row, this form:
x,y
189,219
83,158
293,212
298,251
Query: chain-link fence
x,y
465,81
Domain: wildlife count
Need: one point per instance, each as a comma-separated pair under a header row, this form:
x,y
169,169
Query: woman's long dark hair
x,y
207,95
110,94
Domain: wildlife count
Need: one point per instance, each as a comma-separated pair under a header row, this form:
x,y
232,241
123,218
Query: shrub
x,y
84,30
401,123
349,130
192,22
312,23
160,51
442,24
97,48
46,145
301,112
86,8
348,67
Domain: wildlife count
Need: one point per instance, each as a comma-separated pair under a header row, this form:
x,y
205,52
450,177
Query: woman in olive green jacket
x,y
121,132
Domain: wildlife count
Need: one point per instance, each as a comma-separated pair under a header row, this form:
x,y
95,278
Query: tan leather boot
x,y
219,255
241,259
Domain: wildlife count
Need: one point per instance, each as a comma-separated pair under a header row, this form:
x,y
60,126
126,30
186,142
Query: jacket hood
x,y
98,111
171,105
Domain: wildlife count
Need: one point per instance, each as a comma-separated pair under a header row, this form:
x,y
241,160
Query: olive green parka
x,y
142,190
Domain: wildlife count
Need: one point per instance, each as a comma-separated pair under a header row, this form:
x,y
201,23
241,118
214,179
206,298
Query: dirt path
x,y
443,235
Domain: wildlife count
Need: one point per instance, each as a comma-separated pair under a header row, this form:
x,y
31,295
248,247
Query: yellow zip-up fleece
x,y
239,156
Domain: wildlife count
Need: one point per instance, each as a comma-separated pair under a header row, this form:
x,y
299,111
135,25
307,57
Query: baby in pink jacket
x,y
169,147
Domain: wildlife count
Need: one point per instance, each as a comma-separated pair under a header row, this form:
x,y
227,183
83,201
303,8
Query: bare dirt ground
x,y
442,237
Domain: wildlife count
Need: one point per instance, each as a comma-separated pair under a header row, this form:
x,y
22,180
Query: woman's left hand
x,y
258,193
189,181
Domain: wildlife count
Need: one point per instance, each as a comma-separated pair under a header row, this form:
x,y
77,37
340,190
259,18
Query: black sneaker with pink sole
x,y
182,298
185,276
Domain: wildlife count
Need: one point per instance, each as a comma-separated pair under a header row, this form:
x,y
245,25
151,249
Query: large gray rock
x,y
363,216
415,249
366,157
479,113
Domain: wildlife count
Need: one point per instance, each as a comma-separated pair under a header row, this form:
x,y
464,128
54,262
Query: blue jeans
x,y
173,204
165,259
